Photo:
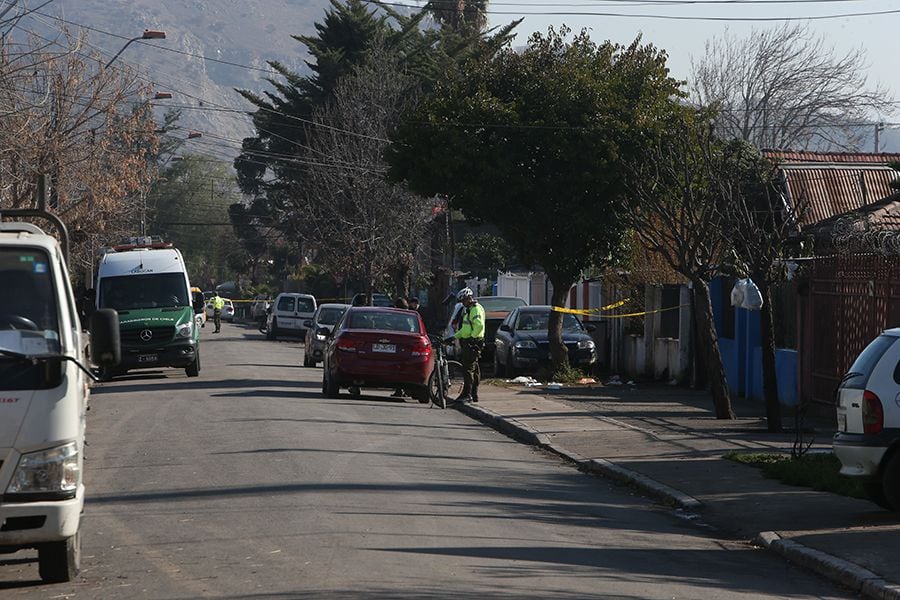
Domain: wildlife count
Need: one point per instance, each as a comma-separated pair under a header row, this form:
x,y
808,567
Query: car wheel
x,y
193,370
499,371
329,386
890,483
874,491
59,562
307,362
270,331
510,370
421,394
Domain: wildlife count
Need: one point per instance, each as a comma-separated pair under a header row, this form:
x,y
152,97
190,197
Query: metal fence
x,y
845,302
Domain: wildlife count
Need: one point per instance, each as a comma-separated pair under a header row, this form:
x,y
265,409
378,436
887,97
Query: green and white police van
x,y
146,283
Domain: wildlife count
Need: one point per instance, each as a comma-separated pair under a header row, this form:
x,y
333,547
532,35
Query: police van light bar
x,y
133,243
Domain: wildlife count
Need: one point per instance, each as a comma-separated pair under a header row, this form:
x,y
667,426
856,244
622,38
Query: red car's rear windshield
x,y
385,321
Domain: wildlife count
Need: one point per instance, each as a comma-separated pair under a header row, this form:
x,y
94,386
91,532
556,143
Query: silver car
x,y
317,328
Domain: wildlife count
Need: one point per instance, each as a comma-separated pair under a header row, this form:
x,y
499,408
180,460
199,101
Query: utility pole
x,y
879,127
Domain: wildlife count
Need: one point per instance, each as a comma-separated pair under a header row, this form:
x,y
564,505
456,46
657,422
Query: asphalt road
x,y
247,483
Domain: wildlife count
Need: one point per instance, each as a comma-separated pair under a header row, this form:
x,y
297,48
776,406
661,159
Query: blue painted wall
x,y
742,356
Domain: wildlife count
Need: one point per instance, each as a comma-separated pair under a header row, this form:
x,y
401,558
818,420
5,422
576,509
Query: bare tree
x,y
786,88
361,225
760,222
65,116
676,211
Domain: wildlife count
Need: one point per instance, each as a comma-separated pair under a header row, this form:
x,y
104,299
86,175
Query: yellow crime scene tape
x,y
590,311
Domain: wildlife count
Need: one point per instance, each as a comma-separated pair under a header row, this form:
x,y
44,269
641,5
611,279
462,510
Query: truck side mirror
x,y
504,327
106,348
197,302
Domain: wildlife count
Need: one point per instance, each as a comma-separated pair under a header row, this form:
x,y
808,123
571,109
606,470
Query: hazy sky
x,y
877,35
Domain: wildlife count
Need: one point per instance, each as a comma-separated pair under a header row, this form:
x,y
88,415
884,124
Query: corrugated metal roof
x,y
883,214
802,156
833,183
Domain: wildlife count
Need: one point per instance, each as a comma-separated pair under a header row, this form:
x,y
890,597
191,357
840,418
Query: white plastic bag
x,y
737,292
746,295
752,298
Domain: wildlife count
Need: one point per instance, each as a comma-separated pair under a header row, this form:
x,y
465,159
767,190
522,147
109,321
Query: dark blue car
x,y
522,343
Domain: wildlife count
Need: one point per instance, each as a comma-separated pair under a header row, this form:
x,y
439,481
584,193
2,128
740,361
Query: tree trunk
x,y
559,357
767,340
708,346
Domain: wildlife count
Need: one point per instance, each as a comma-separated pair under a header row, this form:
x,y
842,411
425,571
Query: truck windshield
x,y
133,292
29,314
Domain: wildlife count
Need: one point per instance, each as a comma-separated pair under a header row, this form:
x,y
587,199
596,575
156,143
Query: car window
x,y
493,304
384,321
535,321
286,303
330,316
897,373
306,305
858,375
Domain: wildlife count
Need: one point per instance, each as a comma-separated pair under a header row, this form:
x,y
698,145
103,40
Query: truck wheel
x,y
890,483
59,562
105,374
194,369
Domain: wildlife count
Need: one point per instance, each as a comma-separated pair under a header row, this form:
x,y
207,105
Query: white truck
x,y
44,387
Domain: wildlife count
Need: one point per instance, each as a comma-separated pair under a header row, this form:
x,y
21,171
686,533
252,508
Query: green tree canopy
x,y
533,142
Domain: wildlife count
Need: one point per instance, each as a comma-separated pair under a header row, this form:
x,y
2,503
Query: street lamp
x,y
149,34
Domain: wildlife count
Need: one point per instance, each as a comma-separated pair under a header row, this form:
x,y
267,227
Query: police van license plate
x,y
148,358
384,348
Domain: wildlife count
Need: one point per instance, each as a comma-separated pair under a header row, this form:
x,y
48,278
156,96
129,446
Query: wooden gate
x,y
845,302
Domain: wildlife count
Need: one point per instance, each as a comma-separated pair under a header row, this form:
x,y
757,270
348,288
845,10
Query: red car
x,y
378,347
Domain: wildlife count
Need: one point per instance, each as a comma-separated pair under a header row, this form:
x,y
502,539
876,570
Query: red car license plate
x,y
384,348
148,358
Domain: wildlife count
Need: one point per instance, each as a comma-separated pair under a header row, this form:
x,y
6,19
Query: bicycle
x,y
446,380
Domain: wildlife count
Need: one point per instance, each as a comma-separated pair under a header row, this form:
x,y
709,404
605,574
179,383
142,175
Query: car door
x,y
503,339
285,311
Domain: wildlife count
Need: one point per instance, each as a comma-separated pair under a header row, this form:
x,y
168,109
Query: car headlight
x,y
53,471
320,337
585,344
185,330
526,345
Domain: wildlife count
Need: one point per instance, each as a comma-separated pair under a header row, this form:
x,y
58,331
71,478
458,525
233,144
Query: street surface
x,y
247,483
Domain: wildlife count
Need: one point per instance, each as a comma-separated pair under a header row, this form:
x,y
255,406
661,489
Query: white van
x,y
867,441
146,282
44,378
287,314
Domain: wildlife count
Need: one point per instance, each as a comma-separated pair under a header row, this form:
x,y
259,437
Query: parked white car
x,y
288,313
227,311
867,441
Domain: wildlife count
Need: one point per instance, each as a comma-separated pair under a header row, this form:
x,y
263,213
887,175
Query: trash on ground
x,y
614,380
554,386
586,380
524,379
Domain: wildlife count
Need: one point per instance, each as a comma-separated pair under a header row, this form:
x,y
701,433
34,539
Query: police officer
x,y
218,304
471,340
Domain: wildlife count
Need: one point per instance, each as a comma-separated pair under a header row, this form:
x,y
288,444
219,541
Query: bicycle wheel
x,y
435,389
453,387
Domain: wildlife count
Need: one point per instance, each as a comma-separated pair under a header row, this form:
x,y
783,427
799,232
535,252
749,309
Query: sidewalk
x,y
666,442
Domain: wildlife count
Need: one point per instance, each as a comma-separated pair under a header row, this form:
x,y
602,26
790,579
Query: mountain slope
x,y
236,37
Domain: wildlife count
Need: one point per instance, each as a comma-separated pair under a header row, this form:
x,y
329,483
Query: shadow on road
x,y
112,388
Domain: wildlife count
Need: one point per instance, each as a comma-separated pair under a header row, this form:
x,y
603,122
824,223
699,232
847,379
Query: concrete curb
x,y
842,572
847,574
522,432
